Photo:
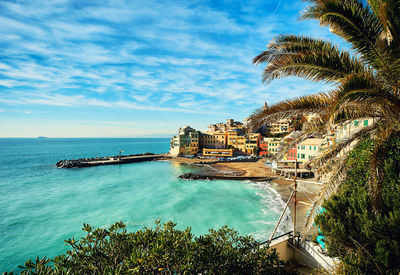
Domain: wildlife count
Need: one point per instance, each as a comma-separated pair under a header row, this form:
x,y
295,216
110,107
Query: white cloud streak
x,y
144,55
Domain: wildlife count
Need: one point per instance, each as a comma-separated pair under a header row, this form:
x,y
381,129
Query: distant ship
x,y
41,137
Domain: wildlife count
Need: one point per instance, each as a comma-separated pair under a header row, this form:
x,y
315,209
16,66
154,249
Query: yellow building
x,y
212,140
232,138
252,142
221,140
237,140
279,127
272,145
241,144
250,145
218,152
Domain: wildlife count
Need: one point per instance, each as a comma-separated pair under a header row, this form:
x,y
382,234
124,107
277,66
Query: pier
x,y
193,176
90,162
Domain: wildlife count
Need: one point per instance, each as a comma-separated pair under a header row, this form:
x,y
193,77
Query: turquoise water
x,y
41,205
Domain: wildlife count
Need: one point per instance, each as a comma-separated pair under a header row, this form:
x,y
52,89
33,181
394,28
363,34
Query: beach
x,y
307,191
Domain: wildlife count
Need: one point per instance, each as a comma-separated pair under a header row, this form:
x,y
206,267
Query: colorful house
x,y
264,148
310,148
186,142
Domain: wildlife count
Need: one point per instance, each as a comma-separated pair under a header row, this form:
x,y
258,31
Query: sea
x,y
42,205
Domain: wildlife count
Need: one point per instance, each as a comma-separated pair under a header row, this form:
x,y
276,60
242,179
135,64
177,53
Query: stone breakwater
x,y
90,162
192,176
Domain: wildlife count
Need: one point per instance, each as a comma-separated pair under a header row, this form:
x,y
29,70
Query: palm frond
x,y
358,25
298,106
364,88
312,59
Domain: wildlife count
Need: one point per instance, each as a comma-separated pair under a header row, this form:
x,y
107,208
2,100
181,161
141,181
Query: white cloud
x,y
184,57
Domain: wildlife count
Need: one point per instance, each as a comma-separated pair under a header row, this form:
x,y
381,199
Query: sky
x,y
139,68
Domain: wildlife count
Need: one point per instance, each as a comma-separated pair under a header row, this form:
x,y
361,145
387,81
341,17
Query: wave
x,y
274,204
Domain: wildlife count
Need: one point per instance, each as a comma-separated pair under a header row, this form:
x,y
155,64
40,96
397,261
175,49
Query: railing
x,y
320,255
275,238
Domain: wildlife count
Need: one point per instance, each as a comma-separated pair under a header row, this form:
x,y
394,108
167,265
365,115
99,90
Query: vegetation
x,y
278,135
366,81
365,243
162,249
257,150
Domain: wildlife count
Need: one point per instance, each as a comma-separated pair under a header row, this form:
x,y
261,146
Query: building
x,y
213,140
280,127
252,142
272,145
186,142
291,153
310,148
224,127
264,148
236,139
233,125
346,129
250,146
218,152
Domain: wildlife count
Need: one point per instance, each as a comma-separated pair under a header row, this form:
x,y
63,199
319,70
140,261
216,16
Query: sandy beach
x,y
307,192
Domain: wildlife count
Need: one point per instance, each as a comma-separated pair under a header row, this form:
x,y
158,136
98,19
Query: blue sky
x,y
139,68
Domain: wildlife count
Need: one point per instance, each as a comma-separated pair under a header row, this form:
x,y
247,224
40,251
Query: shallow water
x,y
41,205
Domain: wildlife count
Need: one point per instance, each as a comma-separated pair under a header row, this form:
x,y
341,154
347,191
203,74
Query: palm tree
x,y
366,81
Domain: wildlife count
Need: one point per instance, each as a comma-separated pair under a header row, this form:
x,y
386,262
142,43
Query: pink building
x,y
292,153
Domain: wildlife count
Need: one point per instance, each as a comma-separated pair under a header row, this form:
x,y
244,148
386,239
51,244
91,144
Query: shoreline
x,y
305,191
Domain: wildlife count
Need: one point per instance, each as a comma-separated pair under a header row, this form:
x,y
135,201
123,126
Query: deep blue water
x,y
41,205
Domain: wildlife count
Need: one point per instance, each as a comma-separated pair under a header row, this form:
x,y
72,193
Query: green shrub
x,y
162,249
366,243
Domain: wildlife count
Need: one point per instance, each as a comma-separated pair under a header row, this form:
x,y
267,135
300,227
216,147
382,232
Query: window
x,y
298,146
365,122
303,147
310,148
355,123
315,148
298,155
303,156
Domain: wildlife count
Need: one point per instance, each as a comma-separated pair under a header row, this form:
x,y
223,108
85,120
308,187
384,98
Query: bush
x,y
162,249
365,242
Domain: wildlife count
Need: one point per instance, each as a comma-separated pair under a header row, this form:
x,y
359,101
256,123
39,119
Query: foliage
x,y
366,80
366,243
257,150
277,135
162,249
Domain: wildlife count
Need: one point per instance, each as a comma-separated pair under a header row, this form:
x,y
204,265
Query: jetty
x,y
120,159
193,176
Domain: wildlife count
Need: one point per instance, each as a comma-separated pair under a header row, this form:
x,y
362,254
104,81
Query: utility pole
x,y
295,199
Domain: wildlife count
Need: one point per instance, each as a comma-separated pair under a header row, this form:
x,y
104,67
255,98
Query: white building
x,y
310,148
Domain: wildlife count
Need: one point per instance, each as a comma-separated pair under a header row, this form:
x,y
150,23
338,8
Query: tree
x,y
365,243
257,150
162,249
366,81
